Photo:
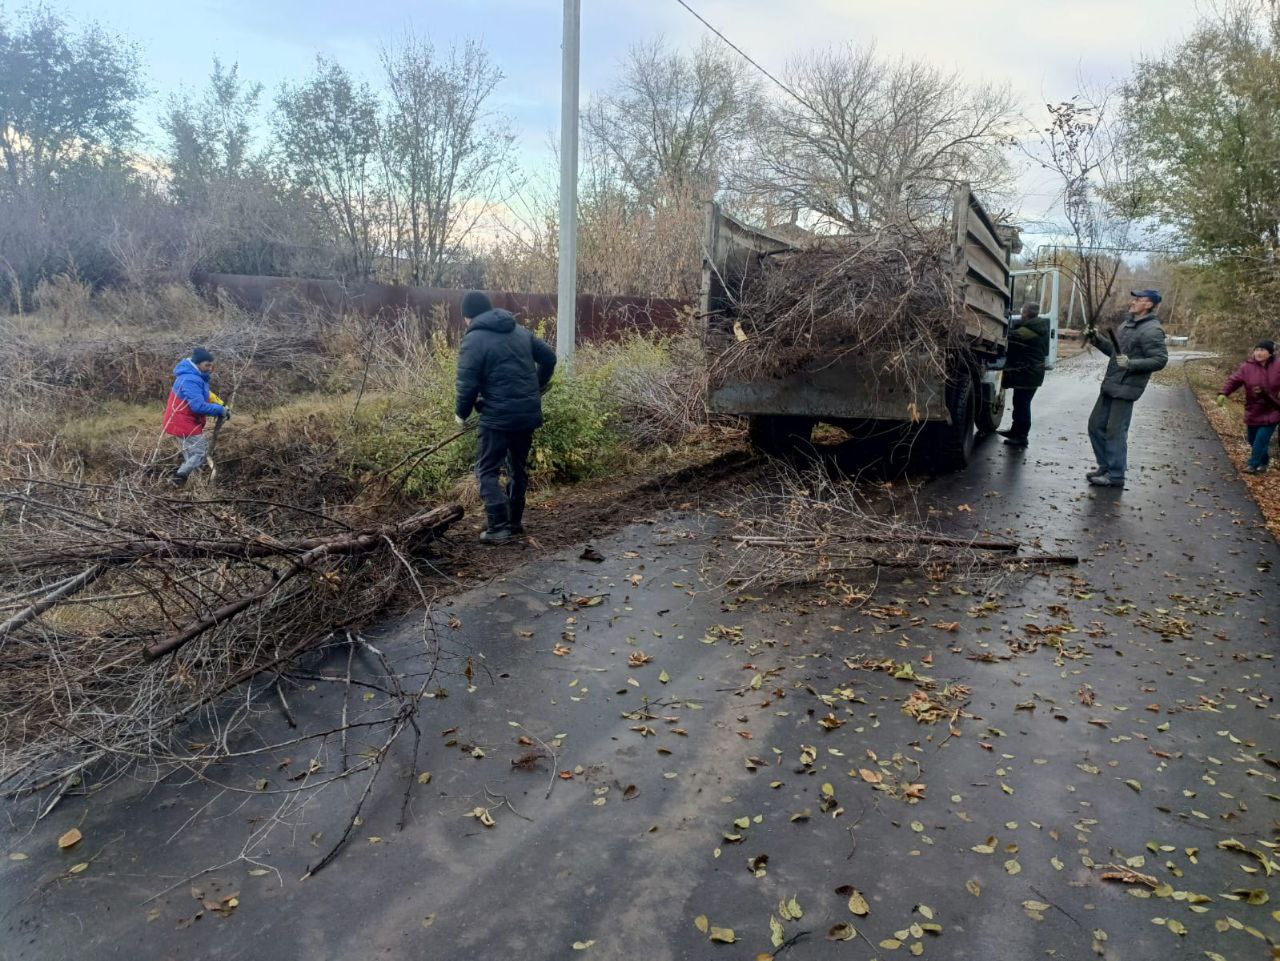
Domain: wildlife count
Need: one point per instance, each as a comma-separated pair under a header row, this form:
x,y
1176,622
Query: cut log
x,y
60,591
156,544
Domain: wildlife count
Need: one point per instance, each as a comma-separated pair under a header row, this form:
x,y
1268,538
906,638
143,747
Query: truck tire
x,y
990,409
779,436
948,447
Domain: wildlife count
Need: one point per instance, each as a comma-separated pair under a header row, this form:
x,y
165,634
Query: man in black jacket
x,y
1024,369
503,370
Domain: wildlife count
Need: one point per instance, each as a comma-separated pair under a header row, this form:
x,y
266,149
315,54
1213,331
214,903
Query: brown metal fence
x,y
599,318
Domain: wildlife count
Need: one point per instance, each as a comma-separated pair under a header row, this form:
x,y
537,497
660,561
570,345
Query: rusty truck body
x,y
870,395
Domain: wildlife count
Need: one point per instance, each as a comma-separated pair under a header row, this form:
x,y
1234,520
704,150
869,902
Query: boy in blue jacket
x,y
190,402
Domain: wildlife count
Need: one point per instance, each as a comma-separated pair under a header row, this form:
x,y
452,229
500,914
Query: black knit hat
x,y
200,355
474,304
1268,345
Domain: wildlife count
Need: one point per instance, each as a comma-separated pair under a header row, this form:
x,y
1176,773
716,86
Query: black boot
x,y
515,515
498,529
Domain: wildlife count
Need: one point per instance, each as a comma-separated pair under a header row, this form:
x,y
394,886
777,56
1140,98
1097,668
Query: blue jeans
x,y
1260,440
1109,434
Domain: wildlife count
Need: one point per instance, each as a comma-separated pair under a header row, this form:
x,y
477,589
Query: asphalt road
x,y
1118,715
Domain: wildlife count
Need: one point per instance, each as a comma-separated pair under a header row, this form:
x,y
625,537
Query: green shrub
x,y
578,437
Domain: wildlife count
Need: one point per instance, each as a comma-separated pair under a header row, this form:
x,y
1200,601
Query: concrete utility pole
x,y
567,289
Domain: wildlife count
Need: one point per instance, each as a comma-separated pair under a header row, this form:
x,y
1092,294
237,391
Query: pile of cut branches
x,y
126,615
812,528
892,294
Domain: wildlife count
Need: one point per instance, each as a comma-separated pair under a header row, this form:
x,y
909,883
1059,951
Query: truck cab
x,y
1042,286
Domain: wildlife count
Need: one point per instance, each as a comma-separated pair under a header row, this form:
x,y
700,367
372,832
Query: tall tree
x,y
210,137
67,100
862,142
673,121
237,217
62,93
1092,155
1208,116
328,131
444,150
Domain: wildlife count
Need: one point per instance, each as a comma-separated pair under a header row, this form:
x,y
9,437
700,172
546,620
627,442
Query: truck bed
x,y
866,387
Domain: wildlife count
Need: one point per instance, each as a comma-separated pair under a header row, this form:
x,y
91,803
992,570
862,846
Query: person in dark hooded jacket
x,y
1024,369
503,371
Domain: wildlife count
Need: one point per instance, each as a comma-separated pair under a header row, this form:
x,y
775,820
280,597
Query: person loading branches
x,y
1136,350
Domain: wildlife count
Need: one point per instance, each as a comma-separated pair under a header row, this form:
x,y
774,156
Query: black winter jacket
x,y
507,368
1028,348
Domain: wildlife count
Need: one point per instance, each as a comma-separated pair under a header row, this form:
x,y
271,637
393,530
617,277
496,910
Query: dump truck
x,y
873,397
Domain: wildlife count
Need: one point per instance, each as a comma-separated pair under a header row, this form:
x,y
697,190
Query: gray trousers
x,y
194,450
1109,434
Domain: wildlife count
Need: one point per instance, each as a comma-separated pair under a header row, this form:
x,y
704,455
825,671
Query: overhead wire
x,y
742,53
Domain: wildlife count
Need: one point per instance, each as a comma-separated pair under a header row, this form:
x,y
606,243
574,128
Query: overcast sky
x,y
1037,46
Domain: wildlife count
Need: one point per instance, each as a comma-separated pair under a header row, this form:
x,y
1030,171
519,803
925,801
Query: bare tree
x,y
328,132
444,151
673,121
862,142
1091,156
210,138
237,217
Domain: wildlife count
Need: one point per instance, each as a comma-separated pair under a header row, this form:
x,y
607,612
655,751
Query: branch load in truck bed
x,y
899,326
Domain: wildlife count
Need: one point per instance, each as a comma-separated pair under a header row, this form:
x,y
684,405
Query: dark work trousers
x,y
1109,434
499,449
1021,425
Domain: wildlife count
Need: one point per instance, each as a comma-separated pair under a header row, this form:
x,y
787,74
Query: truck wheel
x,y
779,436
990,409
948,447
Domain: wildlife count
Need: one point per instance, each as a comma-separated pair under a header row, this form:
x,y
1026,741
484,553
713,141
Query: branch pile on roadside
x,y
126,615
892,294
811,528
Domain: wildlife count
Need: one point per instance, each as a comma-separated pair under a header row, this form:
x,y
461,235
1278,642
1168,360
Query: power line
x,y
1072,248
742,53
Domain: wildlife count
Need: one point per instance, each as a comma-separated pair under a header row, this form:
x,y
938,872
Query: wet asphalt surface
x,y
1120,713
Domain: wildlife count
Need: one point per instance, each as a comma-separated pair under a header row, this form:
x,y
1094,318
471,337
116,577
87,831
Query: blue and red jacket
x,y
189,401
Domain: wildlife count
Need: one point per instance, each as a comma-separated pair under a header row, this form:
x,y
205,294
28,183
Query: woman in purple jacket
x,y
1260,378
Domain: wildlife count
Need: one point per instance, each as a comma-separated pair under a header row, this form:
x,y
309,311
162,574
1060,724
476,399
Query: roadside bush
x,y
658,386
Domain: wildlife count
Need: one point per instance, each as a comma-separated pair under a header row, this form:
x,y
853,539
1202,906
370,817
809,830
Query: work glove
x,y
1222,400
1122,360
461,421
226,413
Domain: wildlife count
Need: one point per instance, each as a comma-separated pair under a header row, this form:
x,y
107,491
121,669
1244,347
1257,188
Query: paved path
x,y
1168,627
